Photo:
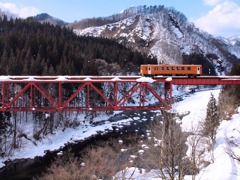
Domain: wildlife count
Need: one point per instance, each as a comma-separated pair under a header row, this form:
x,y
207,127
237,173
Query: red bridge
x,y
94,93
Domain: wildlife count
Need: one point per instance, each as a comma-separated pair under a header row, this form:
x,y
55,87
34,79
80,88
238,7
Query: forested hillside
x,y
28,47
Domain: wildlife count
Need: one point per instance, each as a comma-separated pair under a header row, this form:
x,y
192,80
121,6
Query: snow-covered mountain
x,y
46,18
234,44
235,40
42,18
161,32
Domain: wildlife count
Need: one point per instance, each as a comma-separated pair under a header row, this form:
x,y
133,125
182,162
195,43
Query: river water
x,y
29,168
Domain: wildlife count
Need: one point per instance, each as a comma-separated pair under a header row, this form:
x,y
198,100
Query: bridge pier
x,y
168,94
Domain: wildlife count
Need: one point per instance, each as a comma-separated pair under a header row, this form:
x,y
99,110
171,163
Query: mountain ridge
x,y
158,31
164,33
46,18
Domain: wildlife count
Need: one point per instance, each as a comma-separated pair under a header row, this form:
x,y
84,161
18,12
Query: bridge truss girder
x,y
82,95
95,93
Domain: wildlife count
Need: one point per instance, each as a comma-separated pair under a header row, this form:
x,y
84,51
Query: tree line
x,y
31,48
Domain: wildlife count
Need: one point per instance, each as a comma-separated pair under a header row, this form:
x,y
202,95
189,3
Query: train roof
x,y
171,64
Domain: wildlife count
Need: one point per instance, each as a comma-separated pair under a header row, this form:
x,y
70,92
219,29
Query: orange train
x,y
171,70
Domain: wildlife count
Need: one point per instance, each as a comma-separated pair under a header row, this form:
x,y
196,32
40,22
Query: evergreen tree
x,y
4,62
211,122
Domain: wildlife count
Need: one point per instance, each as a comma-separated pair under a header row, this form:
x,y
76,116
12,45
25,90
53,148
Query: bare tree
x,y
101,161
227,103
167,149
233,148
196,152
66,167
106,160
6,128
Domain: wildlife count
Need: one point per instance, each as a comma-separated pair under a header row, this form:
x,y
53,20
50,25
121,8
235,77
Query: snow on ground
x,y
60,138
224,167
194,105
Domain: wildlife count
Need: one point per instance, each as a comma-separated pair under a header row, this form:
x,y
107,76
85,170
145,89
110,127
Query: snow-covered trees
x,y
211,122
5,132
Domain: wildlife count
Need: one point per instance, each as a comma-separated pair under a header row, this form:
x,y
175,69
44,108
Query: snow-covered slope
x,y
158,31
222,166
234,45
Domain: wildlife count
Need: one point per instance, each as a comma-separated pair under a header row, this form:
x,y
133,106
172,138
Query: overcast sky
x,y
217,17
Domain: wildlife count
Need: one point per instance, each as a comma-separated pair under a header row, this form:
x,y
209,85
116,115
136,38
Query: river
x,y
29,168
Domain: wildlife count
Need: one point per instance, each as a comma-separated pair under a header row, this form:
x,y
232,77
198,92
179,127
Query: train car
x,y
171,70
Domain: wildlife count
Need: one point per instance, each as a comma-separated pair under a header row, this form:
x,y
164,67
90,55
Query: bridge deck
x,y
86,93
177,80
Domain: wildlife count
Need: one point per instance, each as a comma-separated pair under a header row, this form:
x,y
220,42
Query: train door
x,y
198,70
149,70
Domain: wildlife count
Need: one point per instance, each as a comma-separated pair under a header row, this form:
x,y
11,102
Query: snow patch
x,y
4,78
87,79
169,79
31,78
116,79
145,79
60,78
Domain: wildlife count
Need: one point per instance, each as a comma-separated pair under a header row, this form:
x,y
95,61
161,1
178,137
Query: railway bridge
x,y
94,93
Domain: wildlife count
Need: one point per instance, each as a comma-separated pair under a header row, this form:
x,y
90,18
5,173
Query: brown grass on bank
x,y
101,161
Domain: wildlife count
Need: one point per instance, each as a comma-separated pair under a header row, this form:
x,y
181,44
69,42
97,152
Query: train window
x,y
146,68
178,68
183,68
188,68
173,68
162,68
168,68
155,68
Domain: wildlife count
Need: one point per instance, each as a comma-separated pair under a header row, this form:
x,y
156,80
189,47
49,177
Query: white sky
x,y
218,17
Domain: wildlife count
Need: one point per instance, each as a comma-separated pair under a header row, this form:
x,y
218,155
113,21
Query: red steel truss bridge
x,y
94,93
